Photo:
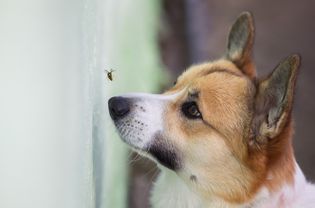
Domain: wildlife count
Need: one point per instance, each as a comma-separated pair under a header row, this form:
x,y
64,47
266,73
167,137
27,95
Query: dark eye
x,y
190,110
175,82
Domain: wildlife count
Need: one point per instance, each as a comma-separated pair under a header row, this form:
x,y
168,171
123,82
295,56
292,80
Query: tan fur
x,y
218,152
239,146
223,100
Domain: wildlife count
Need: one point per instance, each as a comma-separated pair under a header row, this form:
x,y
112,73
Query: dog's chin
x,y
154,146
165,153
132,135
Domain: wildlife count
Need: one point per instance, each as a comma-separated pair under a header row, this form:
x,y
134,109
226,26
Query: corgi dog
x,y
221,137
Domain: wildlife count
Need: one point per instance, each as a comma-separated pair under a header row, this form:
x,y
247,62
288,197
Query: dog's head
x,y
219,128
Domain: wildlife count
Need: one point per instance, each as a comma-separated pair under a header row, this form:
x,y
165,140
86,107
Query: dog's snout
x,y
118,107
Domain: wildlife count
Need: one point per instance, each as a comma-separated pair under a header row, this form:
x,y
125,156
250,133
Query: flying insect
x,y
110,74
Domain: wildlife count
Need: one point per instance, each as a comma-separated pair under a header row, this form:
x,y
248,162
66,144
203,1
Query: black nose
x,y
118,107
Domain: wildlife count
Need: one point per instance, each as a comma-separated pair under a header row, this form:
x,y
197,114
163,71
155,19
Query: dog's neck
x,y
172,191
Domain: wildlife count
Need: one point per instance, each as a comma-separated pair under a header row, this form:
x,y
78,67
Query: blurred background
x,y
58,147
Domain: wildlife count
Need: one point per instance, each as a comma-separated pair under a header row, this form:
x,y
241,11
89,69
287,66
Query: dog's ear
x,y
274,99
240,44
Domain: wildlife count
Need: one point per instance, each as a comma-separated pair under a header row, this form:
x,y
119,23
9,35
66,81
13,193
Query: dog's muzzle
x,y
139,122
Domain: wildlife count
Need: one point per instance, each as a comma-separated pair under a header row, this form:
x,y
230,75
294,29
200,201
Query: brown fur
x,y
233,151
224,99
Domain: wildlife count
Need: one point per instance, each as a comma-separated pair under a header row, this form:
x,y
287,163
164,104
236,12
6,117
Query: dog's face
x,y
214,125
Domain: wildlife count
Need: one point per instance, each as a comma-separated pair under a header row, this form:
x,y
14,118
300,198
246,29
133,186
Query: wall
x,y
57,144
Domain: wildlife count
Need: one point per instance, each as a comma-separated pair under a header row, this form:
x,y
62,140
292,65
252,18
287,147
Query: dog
x,y
221,137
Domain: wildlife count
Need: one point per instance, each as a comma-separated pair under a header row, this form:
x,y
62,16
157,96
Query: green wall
x,y
131,29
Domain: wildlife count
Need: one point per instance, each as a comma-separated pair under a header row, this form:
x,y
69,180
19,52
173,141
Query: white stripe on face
x,y
145,118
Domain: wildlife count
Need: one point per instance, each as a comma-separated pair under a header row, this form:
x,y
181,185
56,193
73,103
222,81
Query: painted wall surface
x,y
57,144
45,123
130,48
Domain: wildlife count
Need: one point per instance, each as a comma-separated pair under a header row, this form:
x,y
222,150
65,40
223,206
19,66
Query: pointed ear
x,y
274,99
240,44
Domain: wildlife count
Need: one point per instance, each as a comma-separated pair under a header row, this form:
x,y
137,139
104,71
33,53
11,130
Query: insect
x,y
110,74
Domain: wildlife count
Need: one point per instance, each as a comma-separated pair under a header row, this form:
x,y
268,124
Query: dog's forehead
x,y
198,76
206,68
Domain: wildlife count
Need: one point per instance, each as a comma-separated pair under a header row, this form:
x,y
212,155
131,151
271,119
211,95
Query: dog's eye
x,y
190,110
175,82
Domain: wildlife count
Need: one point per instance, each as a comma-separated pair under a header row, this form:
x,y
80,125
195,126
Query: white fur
x,y
171,191
145,118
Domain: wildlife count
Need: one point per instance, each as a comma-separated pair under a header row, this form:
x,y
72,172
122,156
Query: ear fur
x,y
240,44
274,99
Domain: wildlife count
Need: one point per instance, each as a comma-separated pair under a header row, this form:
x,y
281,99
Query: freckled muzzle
x,y
140,123
130,119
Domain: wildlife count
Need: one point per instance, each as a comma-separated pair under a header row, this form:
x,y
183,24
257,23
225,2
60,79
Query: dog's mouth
x,y
165,153
129,121
132,131
140,126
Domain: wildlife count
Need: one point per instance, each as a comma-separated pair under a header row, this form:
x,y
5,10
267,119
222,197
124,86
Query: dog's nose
x,y
118,107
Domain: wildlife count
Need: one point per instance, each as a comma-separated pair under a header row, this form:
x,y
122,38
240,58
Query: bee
x,y
110,74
